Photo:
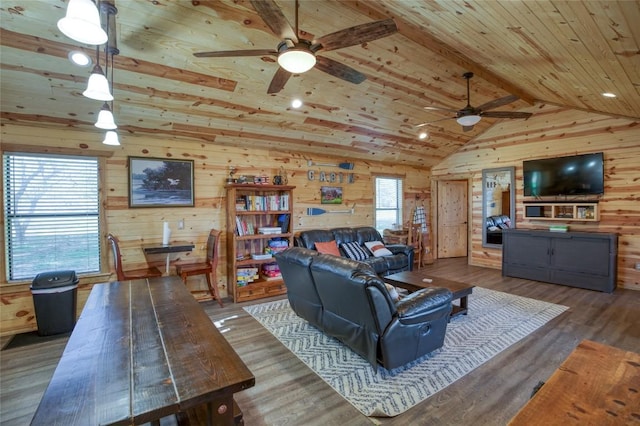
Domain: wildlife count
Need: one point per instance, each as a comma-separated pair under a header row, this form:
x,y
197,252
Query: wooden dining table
x,y
140,351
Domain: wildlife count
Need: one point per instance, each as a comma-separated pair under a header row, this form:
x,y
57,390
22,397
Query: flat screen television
x,y
573,175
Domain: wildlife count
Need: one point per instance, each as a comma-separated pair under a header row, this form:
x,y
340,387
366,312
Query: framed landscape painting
x,y
160,182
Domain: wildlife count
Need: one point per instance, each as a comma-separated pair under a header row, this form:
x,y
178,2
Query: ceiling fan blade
x,y
233,53
356,35
431,122
498,103
278,81
506,114
339,70
275,19
432,108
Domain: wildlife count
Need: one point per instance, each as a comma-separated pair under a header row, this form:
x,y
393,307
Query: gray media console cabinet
x,y
578,259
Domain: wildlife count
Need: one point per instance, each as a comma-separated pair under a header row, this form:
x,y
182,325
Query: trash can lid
x,y
54,279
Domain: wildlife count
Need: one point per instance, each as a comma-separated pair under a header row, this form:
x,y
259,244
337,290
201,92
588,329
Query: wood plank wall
x,y
143,225
555,132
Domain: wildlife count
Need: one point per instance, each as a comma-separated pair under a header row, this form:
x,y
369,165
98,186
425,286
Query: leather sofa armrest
x,y
424,305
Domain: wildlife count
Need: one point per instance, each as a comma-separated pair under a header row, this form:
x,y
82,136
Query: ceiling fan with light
x,y
469,116
297,55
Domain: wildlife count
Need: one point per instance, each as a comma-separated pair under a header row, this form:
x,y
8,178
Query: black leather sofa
x,y
346,299
495,225
401,260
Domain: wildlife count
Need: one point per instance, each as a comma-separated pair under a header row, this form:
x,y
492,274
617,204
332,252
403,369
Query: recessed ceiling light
x,y
609,95
79,58
423,135
296,103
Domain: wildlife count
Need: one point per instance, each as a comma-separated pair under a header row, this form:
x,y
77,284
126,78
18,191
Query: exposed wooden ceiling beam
x,y
378,10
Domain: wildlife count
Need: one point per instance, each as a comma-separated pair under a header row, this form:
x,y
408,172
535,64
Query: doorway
x,y
452,215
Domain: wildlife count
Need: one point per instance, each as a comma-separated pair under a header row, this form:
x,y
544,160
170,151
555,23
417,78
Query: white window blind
x,y
52,214
388,203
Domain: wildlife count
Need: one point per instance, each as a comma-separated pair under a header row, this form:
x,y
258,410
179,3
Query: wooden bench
x,y
140,351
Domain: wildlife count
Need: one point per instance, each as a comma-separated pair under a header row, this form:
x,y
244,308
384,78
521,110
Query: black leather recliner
x,y
401,260
347,300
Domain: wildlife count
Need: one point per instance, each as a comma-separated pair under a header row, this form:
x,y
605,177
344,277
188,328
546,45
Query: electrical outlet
x,y
181,224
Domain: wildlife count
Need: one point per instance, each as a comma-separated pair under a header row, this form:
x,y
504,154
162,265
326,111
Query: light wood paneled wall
x,y
211,162
555,132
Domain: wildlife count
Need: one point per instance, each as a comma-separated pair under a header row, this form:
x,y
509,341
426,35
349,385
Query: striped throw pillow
x,y
354,251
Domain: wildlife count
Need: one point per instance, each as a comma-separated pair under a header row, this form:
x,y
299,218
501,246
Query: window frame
x,y
100,157
400,199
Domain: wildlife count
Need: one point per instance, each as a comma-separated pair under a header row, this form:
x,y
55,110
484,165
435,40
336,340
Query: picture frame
x,y
160,182
331,195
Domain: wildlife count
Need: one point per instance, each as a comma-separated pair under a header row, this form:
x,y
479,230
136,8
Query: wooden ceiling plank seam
x,y
592,42
577,72
624,44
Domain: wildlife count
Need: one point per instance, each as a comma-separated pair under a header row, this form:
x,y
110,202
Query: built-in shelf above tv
x,y
586,211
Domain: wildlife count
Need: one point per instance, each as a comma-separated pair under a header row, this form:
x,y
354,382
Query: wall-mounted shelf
x,y
566,211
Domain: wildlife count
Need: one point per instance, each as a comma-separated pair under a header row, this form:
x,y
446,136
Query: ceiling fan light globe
x,y
468,120
111,138
105,119
82,23
296,61
98,86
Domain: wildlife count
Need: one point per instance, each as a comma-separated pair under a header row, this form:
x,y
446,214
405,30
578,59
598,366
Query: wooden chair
x,y
131,274
415,240
207,268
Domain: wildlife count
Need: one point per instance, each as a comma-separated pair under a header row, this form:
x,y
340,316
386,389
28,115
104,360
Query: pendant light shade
x,y
111,138
105,118
82,23
98,86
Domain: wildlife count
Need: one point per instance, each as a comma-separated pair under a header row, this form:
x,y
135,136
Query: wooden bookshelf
x,y
250,209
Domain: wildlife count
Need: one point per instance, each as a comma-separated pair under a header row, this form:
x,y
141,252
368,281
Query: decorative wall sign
x,y
331,195
159,182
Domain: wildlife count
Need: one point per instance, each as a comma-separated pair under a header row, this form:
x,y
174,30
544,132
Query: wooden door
x,y
452,218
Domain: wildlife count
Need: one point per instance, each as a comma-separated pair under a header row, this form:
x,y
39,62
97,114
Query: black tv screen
x,y
574,175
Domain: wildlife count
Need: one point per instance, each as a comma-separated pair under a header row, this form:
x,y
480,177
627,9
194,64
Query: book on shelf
x,y
266,277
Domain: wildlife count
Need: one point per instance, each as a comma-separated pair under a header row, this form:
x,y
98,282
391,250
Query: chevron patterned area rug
x,y
495,321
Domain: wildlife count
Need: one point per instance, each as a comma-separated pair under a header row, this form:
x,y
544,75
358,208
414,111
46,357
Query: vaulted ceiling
x,y
565,53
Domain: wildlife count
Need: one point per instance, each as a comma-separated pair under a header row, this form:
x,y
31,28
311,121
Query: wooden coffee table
x,y
418,279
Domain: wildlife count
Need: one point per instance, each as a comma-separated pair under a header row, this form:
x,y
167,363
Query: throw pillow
x,y
354,251
330,247
377,248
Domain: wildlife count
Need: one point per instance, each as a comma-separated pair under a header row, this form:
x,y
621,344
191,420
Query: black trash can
x,y
55,297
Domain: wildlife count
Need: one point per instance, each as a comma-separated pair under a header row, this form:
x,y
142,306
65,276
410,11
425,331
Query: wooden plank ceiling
x,y
560,52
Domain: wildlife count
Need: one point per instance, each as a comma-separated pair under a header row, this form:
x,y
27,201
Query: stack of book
x,y
270,272
245,276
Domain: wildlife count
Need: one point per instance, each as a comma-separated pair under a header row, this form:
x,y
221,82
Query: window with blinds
x,y
388,203
52,214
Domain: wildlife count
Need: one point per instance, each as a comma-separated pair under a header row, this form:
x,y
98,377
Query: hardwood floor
x,y
287,392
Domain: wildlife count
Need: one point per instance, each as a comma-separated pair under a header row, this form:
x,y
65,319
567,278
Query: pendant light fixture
x,y
111,138
105,118
98,85
110,49
82,23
